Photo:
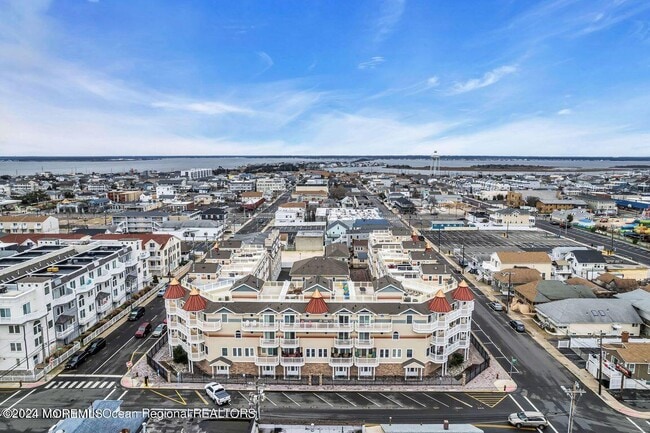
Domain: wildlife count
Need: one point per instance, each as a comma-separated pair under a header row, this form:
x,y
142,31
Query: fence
x,y
33,376
317,380
158,367
476,369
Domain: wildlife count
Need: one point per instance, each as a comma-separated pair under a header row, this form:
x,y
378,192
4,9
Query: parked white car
x,y
217,393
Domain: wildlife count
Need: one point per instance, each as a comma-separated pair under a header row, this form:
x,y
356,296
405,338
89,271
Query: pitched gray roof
x,y
588,256
337,250
569,311
319,266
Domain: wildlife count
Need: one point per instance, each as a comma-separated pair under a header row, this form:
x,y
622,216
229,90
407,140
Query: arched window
x,y
237,334
395,335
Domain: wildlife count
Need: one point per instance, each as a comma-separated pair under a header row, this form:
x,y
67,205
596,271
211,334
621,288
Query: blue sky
x,y
508,77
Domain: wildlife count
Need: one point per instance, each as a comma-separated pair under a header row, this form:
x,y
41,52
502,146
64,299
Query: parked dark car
x,y
95,346
76,360
518,325
136,313
143,330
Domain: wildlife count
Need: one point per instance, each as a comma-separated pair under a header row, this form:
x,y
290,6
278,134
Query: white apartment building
x,y
197,173
139,222
161,251
290,213
21,223
271,185
258,255
49,295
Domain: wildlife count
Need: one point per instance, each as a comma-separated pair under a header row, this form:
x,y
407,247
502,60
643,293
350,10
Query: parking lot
x,y
339,400
485,242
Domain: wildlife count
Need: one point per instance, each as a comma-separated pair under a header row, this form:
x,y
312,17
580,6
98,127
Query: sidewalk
x,y
493,379
587,380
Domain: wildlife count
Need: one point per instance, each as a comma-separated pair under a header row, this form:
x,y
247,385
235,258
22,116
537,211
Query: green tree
x,y
569,218
338,192
34,197
456,359
180,356
68,194
532,201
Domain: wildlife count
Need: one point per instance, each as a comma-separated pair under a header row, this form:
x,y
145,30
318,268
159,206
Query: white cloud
x,y
372,63
489,78
433,82
544,137
266,60
209,107
564,112
390,13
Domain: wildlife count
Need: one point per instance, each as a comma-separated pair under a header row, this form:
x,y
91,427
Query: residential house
x,y
589,317
501,260
586,263
528,296
21,223
512,218
333,269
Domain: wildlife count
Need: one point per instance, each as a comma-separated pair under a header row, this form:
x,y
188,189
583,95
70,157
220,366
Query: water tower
x,y
434,169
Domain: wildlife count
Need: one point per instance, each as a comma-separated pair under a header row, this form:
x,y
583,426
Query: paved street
x,y
623,249
264,216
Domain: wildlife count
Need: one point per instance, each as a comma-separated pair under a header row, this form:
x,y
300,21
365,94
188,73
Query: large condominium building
x,y
162,252
140,222
271,185
325,326
28,224
51,294
319,328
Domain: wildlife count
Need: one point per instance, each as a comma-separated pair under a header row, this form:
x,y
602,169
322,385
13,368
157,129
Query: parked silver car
x,y
528,419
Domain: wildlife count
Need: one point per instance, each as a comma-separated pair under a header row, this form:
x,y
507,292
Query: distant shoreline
x,y
351,158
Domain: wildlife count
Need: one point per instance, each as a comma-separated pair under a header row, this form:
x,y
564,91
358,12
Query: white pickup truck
x,y
217,393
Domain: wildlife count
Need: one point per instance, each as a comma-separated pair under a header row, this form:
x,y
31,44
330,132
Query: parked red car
x,y
143,330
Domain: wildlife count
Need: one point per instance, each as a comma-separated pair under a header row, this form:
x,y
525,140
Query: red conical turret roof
x,y
175,290
316,304
462,292
439,303
195,302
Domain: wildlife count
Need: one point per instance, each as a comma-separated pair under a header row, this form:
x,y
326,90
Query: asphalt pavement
x,y
621,248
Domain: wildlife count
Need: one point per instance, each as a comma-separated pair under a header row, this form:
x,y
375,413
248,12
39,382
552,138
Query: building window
x,y
322,353
237,351
249,352
237,334
409,353
409,319
5,312
384,353
15,329
16,347
27,308
311,353
395,335
37,328
224,351
397,353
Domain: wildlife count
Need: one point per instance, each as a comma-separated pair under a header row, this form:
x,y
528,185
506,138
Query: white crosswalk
x,y
83,384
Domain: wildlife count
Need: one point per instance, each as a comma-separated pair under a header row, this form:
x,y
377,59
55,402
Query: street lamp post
x,y
508,295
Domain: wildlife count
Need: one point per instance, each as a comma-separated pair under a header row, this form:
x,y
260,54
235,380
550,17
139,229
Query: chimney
x,y
445,425
625,337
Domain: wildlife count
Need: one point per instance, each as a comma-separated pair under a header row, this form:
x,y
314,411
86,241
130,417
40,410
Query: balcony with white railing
x,y
343,343
443,322
341,362
104,306
257,326
60,335
204,325
373,327
64,298
267,360
269,342
296,361
86,287
289,342
22,318
361,361
195,338
105,276
304,326
364,343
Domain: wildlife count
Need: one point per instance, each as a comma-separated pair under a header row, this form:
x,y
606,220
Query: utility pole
x,y
509,289
600,363
573,394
